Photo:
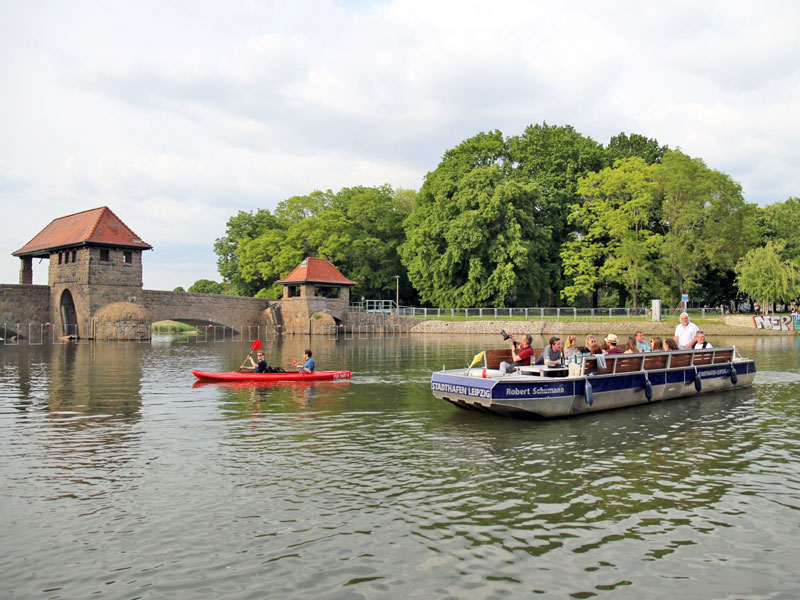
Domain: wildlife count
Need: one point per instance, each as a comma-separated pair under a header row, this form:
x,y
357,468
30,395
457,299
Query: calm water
x,y
122,479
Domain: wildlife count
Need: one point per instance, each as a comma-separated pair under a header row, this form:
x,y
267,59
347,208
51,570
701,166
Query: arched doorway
x,y
69,317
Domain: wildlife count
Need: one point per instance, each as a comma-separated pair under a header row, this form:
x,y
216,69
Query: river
x,y
123,479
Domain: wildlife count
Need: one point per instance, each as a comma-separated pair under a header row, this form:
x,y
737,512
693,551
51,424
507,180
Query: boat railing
x,y
648,361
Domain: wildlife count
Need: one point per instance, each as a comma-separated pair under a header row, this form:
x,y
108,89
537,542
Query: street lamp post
x,y
397,294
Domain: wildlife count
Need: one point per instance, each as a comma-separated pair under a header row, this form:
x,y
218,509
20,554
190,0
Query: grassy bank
x,y
173,327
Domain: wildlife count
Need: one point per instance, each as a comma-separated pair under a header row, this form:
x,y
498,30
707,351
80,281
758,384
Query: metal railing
x,y
530,313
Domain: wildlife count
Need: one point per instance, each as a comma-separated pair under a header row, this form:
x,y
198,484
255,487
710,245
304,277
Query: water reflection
x,y
372,487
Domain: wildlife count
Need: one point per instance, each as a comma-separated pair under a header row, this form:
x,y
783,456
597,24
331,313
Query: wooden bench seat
x,y
723,357
703,358
495,357
681,359
655,362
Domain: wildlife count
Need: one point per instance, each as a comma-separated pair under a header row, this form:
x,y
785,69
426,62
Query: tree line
x,y
548,217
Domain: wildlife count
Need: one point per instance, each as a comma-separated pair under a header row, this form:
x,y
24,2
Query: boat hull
x,y
544,397
271,377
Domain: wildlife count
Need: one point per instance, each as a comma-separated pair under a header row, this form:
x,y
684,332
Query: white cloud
x,y
177,115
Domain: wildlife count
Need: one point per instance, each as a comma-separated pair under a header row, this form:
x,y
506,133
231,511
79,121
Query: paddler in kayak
x,y
309,365
261,366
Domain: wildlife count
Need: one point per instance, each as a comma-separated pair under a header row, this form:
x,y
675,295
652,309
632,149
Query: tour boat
x,y
605,382
267,377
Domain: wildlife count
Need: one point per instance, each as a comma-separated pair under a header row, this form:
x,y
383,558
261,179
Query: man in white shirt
x,y
701,342
686,332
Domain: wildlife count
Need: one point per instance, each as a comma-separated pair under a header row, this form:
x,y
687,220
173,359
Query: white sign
x,y
685,298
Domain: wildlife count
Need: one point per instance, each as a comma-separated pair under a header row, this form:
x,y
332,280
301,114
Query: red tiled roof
x,y
95,226
316,270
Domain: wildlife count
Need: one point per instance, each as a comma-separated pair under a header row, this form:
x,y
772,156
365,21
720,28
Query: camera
x,y
508,336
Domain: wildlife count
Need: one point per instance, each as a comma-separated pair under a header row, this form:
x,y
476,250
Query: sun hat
x,y
611,338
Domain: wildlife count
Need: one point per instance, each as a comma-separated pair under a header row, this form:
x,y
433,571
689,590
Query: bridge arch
x,y
68,314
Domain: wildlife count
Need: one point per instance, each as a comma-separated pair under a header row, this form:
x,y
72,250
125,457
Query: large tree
x,y
241,228
764,274
554,158
358,229
616,244
780,222
476,236
626,146
704,220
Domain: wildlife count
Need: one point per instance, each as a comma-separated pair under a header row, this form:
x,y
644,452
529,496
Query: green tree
x,y
626,146
207,286
358,229
704,219
780,223
765,275
474,237
179,289
240,229
554,158
616,243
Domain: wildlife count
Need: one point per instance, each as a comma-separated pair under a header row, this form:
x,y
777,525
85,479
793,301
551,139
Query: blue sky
x,y
177,115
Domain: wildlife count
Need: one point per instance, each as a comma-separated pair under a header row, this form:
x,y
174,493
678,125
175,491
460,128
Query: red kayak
x,y
290,376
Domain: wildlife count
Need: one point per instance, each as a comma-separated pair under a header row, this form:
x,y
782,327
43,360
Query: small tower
x,y
314,286
94,258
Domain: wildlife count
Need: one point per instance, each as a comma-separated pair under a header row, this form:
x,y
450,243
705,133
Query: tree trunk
x,y
623,296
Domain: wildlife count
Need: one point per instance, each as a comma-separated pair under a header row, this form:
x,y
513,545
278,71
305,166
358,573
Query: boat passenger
x,y
521,358
686,332
701,342
261,366
590,341
641,343
593,349
656,344
631,347
670,345
571,350
611,340
551,355
309,365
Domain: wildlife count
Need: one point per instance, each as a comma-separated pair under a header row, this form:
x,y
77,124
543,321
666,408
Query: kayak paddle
x,y
256,346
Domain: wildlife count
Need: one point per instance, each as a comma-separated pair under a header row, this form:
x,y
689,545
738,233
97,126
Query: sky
x,y
177,115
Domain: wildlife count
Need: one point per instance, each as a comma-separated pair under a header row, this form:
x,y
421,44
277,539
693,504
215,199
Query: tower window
x,y
127,257
104,255
74,254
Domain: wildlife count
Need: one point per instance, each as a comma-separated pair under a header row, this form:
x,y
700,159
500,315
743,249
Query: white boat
x,y
610,381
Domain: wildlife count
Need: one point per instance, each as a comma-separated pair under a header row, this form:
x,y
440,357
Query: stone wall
x,y
580,328
24,303
233,311
298,312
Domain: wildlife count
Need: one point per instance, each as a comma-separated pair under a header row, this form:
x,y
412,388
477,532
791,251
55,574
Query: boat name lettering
x,y
554,390
715,372
461,390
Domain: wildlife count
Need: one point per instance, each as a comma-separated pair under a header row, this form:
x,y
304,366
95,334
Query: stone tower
x,y
314,287
95,259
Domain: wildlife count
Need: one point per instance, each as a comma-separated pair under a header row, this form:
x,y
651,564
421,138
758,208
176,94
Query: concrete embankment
x,y
582,328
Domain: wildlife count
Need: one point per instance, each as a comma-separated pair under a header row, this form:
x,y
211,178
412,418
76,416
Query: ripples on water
x,y
121,478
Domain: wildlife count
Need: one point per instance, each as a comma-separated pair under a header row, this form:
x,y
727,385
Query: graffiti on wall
x,y
779,322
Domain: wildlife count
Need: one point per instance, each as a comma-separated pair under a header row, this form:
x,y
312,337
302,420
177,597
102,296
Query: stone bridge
x,y
236,312
24,305
95,288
